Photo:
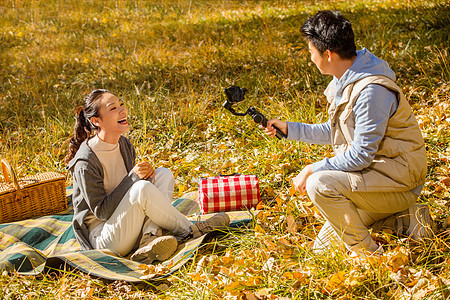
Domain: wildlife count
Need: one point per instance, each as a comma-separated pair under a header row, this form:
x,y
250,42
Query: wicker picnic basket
x,y
33,196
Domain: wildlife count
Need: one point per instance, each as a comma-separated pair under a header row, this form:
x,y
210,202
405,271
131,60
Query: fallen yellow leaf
x,y
292,191
260,205
288,275
336,282
397,258
445,181
259,229
233,286
291,224
269,244
257,280
279,201
264,292
250,296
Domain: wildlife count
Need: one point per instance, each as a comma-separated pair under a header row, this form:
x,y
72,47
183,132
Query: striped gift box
x,y
228,193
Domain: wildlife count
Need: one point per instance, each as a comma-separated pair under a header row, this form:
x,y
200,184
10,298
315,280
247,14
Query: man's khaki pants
x,y
349,215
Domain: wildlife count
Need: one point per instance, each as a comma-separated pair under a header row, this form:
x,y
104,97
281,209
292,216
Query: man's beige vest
x,y
400,163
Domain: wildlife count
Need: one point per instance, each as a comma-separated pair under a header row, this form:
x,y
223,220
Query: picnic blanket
x,y
35,245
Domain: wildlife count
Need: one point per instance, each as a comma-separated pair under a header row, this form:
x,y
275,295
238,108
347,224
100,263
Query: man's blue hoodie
x,y
372,110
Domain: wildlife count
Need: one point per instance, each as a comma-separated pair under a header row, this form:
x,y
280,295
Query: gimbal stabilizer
x,y
236,94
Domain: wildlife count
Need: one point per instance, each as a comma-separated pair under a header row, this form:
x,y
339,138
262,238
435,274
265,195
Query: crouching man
x,y
380,164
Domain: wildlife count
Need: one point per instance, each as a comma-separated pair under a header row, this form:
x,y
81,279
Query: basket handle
x,y
6,167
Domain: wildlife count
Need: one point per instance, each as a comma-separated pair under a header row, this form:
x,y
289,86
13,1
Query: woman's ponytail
x,y
81,132
83,126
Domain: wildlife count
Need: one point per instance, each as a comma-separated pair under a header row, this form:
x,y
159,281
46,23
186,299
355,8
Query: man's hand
x,y
144,170
299,181
271,131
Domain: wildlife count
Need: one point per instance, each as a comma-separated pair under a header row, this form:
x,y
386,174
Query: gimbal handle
x,y
261,119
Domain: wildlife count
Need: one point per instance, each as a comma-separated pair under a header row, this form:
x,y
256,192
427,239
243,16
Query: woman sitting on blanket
x,y
118,203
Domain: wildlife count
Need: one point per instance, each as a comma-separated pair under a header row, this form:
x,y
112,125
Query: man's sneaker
x,y
217,222
158,248
419,222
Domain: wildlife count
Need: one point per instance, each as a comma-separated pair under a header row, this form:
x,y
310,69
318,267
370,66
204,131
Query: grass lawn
x,y
170,61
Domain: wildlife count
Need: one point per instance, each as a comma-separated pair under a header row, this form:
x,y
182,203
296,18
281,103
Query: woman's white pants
x,y
145,208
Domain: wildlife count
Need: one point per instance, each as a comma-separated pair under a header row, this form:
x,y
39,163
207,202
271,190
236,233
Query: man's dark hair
x,y
329,30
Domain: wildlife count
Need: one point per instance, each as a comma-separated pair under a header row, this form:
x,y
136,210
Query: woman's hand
x,y
271,131
144,170
299,181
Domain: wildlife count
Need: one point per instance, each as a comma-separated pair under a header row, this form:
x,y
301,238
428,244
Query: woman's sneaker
x,y
419,222
219,221
157,248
